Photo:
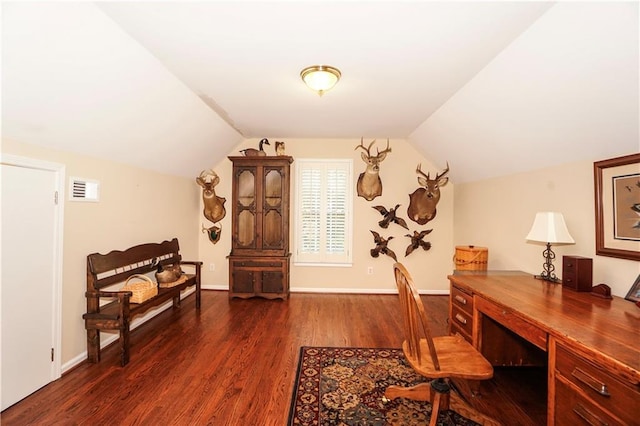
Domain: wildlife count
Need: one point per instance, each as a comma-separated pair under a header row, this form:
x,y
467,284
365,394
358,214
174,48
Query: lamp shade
x,y
320,77
549,227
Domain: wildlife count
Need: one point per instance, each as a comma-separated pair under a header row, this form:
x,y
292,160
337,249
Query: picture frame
x,y
617,187
634,291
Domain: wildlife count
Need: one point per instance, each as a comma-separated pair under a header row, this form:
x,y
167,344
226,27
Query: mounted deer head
x,y
422,207
213,205
369,184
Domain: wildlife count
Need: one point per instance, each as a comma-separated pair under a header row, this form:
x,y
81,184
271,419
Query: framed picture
x,y
617,197
634,292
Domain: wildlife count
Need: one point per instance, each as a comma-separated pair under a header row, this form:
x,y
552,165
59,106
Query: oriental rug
x,y
345,386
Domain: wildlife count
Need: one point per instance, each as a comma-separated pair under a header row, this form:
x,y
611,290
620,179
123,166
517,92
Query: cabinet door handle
x,y
461,319
593,383
588,416
460,299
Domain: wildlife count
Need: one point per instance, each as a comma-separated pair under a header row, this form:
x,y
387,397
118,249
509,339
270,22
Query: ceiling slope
x,y
566,90
73,80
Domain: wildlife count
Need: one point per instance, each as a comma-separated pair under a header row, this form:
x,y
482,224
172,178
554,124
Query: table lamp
x,y
549,228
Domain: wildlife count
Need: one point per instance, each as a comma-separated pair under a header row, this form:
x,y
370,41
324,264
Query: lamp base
x,y
544,277
548,269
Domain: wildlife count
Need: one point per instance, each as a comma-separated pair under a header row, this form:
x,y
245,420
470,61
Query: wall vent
x,y
81,189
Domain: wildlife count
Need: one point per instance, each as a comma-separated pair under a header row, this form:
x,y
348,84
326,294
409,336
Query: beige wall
x,y
136,206
429,268
498,213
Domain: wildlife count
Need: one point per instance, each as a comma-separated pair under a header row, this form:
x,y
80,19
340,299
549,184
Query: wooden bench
x,y
105,270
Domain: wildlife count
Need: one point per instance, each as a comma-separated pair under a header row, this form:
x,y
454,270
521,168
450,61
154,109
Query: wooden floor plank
x,y
233,363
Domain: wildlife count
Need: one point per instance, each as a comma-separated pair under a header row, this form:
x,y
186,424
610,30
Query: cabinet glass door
x,y
246,208
272,223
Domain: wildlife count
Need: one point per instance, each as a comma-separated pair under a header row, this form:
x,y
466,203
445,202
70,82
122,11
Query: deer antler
x,y
206,173
367,149
421,172
387,149
438,176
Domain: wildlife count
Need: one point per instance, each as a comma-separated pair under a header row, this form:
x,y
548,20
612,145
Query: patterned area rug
x,y
345,386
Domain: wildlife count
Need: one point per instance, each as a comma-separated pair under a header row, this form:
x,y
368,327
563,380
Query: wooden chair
x,y
437,358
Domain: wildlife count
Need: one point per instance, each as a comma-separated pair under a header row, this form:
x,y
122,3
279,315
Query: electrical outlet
x,y
370,270
212,267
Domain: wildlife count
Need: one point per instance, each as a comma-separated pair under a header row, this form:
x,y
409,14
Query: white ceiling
x,y
482,85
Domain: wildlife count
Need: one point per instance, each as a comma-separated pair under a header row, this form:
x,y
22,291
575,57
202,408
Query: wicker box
x,y
143,289
471,258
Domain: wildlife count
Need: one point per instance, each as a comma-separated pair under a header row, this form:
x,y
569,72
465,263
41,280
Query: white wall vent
x,y
81,189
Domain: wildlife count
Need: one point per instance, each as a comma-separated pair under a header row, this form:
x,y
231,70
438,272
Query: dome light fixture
x,y
320,78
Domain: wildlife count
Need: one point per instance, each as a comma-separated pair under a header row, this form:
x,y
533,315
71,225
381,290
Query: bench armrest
x,y
93,304
196,264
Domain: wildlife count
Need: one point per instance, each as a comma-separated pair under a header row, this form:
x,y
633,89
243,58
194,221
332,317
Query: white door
x,y
29,279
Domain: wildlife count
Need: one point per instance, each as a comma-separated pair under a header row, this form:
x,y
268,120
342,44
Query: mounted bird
x,y
416,241
381,246
252,152
390,217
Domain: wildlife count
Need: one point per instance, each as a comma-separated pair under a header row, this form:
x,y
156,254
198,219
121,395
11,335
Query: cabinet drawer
x,y
513,322
599,385
462,300
257,264
572,408
462,320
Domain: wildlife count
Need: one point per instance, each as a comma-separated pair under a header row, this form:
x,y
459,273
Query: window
x,y
323,213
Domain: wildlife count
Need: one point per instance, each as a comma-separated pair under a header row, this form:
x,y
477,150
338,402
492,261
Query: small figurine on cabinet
x,y
280,148
252,152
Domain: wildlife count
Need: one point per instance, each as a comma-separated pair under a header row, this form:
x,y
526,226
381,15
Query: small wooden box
x,y
577,273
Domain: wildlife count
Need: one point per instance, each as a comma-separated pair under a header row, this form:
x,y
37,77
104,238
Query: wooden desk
x,y
591,345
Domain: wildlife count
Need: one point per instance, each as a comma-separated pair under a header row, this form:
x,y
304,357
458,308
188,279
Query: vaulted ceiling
x,y
492,87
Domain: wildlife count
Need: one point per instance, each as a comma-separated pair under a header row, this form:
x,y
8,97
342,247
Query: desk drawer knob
x,y
460,299
594,384
461,319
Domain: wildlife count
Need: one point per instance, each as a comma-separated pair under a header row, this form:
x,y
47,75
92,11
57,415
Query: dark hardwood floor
x,y
234,363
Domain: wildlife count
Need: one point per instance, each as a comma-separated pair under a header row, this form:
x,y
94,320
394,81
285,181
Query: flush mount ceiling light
x,y
320,78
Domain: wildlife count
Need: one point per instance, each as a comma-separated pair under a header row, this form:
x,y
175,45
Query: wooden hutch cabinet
x,y
259,258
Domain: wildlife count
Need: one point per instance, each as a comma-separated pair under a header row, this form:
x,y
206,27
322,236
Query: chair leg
x,y
440,392
420,392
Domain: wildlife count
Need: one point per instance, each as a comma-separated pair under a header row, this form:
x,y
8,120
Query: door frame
x,y
56,322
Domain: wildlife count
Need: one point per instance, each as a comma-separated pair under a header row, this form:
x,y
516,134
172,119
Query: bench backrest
x,y
104,270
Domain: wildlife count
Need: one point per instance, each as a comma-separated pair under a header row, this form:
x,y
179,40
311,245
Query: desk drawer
x,y
599,385
507,318
461,300
572,408
461,320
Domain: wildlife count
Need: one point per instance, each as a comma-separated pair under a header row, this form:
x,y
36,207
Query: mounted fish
x,y
252,152
369,185
213,205
416,241
381,246
390,216
422,207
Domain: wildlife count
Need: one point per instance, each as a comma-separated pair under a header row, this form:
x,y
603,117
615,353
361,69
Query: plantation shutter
x,y
323,219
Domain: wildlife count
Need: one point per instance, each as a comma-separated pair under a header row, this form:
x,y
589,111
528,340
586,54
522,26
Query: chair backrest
x,y
414,315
